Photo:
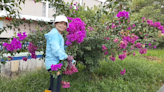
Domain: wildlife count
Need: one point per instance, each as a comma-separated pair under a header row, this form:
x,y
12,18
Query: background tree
x,y
151,9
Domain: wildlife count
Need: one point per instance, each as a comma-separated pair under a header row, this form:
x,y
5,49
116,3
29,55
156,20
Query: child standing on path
x,y
55,50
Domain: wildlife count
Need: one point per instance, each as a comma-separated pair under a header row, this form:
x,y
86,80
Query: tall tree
x,y
151,9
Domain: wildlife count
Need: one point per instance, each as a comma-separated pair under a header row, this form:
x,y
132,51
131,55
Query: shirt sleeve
x,y
56,49
65,48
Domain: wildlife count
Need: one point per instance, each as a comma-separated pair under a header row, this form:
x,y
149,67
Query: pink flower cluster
x,y
77,7
69,18
129,28
150,22
107,27
123,72
90,28
143,19
123,14
143,51
134,54
156,25
131,39
106,38
122,56
112,58
10,58
116,40
104,47
138,45
24,58
70,71
123,44
65,84
76,31
22,36
70,6
125,52
32,49
106,52
14,45
56,67
113,26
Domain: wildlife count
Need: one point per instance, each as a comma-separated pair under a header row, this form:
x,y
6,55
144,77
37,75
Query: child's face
x,y
61,26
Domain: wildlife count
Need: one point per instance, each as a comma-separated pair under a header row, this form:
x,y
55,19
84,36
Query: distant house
x,y
36,11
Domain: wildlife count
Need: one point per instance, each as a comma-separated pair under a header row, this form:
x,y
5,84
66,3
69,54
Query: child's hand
x,y
70,58
58,73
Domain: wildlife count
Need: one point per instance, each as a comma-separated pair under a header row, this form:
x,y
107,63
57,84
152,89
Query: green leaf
x,y
20,8
54,76
7,9
13,5
65,64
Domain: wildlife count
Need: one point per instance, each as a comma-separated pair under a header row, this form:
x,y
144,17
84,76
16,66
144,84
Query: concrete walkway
x,y
161,89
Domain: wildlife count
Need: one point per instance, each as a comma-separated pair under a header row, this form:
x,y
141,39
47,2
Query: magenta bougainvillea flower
x,y
56,67
76,31
24,58
22,36
143,51
122,56
116,40
123,14
13,46
15,43
112,58
32,48
123,72
104,47
70,71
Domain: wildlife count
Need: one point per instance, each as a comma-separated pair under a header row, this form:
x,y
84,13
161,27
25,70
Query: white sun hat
x,y
61,18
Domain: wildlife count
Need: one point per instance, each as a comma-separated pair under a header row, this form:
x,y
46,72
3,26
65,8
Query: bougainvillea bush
x,y
94,39
89,39
118,39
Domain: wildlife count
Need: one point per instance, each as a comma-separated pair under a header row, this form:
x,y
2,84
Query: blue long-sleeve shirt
x,y
54,48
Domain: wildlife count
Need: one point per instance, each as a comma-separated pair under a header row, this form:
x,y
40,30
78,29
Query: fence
x,y
17,65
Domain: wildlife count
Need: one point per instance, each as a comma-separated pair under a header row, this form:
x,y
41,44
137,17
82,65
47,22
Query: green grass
x,y
158,53
141,75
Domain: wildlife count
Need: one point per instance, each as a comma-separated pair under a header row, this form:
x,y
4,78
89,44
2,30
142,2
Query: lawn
x,y
144,73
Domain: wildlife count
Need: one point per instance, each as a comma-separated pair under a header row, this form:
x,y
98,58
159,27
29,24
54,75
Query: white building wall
x,y
32,8
37,11
23,28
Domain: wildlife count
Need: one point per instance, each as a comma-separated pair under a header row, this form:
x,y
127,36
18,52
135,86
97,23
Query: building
x,y
37,11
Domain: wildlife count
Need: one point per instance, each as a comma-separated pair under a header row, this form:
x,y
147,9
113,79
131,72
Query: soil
x,y
151,58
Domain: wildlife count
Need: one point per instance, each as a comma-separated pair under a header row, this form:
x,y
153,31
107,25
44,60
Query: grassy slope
x,y
142,75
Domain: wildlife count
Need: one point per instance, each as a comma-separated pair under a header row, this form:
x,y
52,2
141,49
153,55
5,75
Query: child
x,y
55,49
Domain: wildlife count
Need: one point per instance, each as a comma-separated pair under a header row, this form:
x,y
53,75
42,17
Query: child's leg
x,y
55,84
59,83
51,82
